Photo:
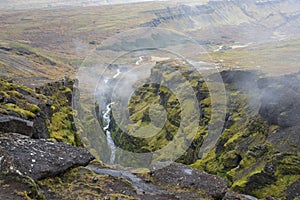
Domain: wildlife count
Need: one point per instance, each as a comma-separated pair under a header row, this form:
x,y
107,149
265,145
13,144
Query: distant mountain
x,y
253,20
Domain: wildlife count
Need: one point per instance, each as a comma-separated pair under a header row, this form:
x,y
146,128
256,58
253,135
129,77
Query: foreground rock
x,y
181,175
38,158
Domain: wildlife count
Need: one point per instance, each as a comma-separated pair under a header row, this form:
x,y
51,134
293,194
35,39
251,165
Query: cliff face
x,y
41,113
24,111
258,150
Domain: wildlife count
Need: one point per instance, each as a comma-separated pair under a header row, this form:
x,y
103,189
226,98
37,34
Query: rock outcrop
x,y
23,111
38,158
174,181
181,175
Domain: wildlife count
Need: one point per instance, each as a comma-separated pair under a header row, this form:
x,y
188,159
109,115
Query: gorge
x,y
150,100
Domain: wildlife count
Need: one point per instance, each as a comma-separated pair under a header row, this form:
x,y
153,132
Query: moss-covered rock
x,y
82,183
61,125
21,104
257,153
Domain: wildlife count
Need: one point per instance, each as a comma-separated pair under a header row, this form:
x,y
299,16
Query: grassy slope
x,y
23,63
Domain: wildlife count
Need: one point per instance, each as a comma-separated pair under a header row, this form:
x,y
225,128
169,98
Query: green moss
x,y
247,161
4,85
3,111
120,196
20,111
78,184
240,184
288,165
33,108
4,94
27,89
209,163
15,94
277,188
67,90
206,102
61,127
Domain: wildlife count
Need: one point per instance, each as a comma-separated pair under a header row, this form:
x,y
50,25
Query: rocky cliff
x,y
28,119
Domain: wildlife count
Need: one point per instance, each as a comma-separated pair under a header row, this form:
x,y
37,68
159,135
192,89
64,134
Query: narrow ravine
x,y
106,117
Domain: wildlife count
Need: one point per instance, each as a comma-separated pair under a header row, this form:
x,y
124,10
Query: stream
x,y
141,186
110,142
106,117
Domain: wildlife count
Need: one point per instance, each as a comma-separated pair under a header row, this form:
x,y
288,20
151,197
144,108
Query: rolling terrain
x,y
66,65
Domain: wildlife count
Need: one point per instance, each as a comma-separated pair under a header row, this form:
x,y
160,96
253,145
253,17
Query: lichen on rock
x,y
38,158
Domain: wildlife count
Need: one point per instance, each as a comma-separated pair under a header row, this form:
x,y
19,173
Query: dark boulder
x,y
38,158
259,180
181,175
